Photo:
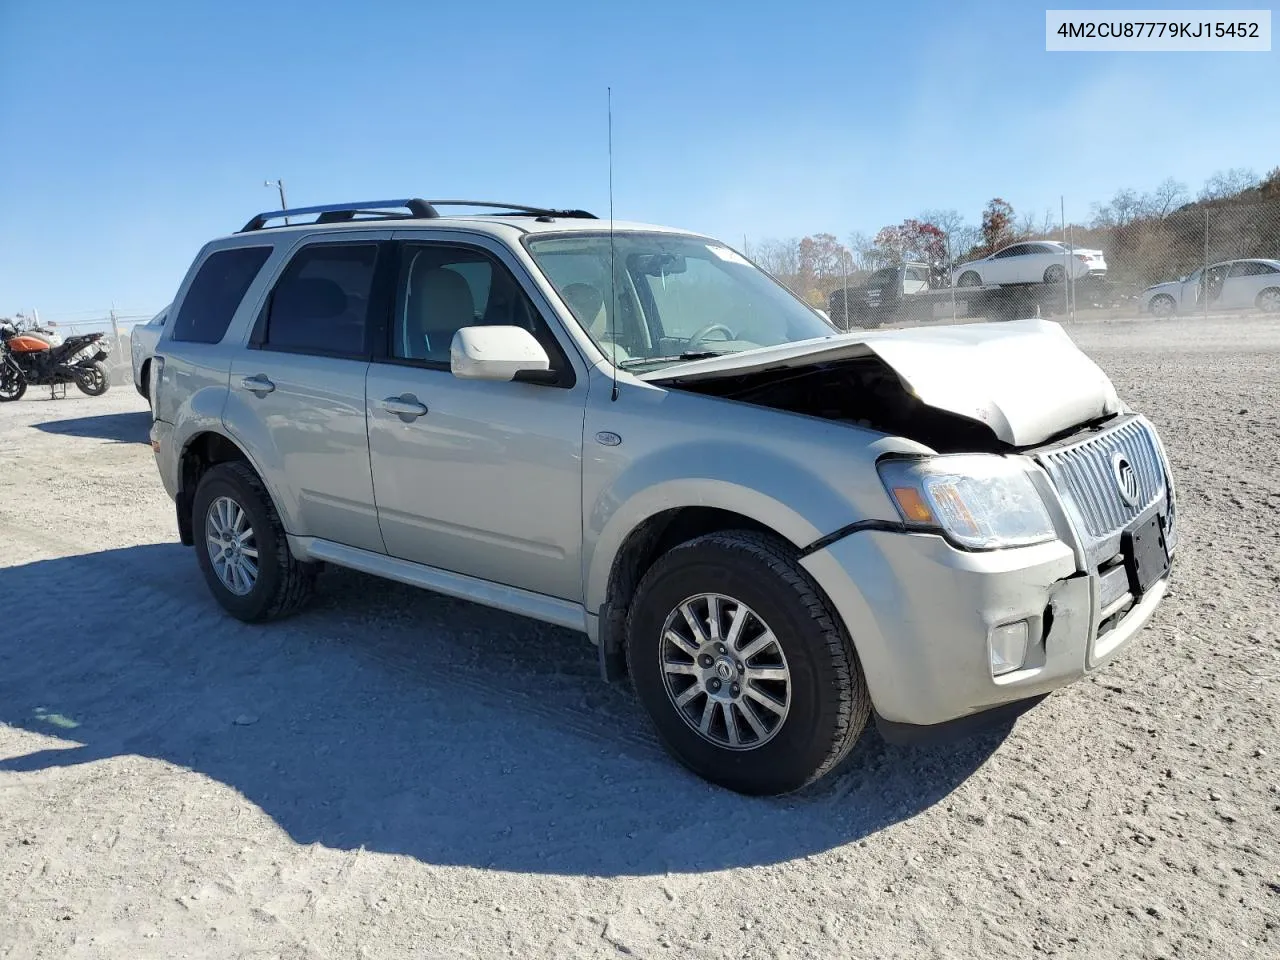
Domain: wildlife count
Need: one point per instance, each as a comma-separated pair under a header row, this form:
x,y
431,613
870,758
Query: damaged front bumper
x,y
927,619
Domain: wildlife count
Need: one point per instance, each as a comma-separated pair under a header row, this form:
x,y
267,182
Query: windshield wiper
x,y
697,355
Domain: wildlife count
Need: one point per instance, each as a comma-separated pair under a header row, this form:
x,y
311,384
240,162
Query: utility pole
x,y
1204,274
279,184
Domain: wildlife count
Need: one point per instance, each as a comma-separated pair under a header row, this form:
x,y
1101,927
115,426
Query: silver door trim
x,y
538,606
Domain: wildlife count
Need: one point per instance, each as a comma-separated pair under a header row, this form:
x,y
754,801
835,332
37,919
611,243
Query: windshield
x,y
678,297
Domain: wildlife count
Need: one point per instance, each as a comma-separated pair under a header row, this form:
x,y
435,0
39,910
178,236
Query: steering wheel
x,y
709,329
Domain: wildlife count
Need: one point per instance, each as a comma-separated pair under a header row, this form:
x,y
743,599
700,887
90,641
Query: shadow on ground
x,y
403,722
120,427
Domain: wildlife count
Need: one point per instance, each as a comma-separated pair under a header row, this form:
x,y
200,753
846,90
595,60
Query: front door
x,y
476,477
301,384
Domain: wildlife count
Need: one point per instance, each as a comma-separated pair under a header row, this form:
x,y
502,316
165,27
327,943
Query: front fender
x,y
784,493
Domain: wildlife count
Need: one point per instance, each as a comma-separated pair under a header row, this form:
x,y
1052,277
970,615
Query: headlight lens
x,y
979,501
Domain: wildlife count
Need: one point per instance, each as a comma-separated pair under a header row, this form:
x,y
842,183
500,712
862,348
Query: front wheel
x,y
92,379
969,279
1055,273
1162,305
744,668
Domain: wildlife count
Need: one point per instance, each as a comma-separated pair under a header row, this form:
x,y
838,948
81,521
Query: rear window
x,y
216,291
321,303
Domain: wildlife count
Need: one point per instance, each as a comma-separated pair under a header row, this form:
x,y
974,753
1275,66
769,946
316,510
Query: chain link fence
x,y
1209,258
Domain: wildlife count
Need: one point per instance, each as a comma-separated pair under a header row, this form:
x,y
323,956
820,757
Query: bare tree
x,y
1167,197
961,236
778,257
1125,206
1228,183
866,256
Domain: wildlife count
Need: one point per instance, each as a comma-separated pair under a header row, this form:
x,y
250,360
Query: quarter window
x,y
216,292
1250,268
321,302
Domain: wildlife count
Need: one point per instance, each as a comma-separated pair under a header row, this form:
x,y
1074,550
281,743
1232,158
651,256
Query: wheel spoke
x,y
699,633
713,618
693,691
683,669
707,713
753,721
757,645
735,626
766,673
240,519
251,552
683,643
764,699
730,724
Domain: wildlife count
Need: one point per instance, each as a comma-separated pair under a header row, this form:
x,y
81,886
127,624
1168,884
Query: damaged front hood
x,y
1025,379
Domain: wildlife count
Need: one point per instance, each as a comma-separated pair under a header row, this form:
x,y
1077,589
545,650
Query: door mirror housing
x,y
499,353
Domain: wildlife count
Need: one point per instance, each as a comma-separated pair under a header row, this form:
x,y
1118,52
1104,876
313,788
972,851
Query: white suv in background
x,y
1031,261
777,529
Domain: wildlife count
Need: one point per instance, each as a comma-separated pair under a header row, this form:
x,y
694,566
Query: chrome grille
x,y
1084,475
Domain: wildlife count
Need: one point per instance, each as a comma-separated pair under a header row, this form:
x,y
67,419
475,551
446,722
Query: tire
x,y
969,279
12,385
93,379
144,387
282,584
1268,301
825,703
1055,273
1162,305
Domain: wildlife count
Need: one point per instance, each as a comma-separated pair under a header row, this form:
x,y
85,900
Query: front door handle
x,y
405,406
257,384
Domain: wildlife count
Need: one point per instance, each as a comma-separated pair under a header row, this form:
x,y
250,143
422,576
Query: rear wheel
x,y
1162,305
1269,300
12,383
93,379
242,548
744,668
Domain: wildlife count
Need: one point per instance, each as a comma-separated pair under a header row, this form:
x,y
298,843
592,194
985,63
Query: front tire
x,y
92,379
242,548
1055,273
1162,305
969,279
744,668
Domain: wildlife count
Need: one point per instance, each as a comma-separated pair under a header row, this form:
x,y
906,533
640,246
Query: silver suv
x,y
777,529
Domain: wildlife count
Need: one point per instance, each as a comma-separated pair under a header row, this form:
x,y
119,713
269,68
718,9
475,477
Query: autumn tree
x,y
913,240
997,223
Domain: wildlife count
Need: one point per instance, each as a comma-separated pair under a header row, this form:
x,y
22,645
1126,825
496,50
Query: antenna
x,y
613,275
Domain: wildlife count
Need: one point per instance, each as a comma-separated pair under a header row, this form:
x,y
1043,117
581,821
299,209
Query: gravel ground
x,y
394,774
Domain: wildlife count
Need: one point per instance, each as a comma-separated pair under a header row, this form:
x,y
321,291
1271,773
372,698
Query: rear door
x,y
1245,280
475,477
1003,266
300,385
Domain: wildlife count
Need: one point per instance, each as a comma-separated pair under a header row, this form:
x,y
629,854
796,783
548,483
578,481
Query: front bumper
x,y
921,614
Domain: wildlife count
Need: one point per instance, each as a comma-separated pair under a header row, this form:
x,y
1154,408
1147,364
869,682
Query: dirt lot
x,y
393,774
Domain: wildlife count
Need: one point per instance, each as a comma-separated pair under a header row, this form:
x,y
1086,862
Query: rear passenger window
x,y
321,302
216,292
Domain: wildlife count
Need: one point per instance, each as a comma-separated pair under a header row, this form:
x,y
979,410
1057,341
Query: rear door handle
x,y
257,384
405,406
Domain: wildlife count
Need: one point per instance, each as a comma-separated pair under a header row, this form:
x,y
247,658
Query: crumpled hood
x,y
1025,379
1169,286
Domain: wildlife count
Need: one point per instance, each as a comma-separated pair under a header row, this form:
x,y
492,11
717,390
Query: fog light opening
x,y
1008,647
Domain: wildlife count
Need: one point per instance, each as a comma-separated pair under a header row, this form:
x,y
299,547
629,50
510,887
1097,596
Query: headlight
x,y
979,501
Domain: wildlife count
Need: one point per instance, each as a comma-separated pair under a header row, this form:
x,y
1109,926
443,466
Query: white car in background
x,y
1031,261
1232,284
142,344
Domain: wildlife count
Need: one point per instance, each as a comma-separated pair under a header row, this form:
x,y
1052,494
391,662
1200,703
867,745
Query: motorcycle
x,y
38,356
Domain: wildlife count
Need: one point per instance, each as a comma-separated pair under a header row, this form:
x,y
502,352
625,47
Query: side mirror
x,y
499,353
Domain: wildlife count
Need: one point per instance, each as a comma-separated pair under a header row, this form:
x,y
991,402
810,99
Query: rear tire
x,y
1268,300
12,384
817,712
280,583
93,379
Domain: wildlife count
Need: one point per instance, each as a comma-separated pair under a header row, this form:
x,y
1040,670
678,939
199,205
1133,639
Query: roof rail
x,y
422,209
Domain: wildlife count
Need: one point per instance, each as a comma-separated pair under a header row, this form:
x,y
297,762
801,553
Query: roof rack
x,y
419,209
